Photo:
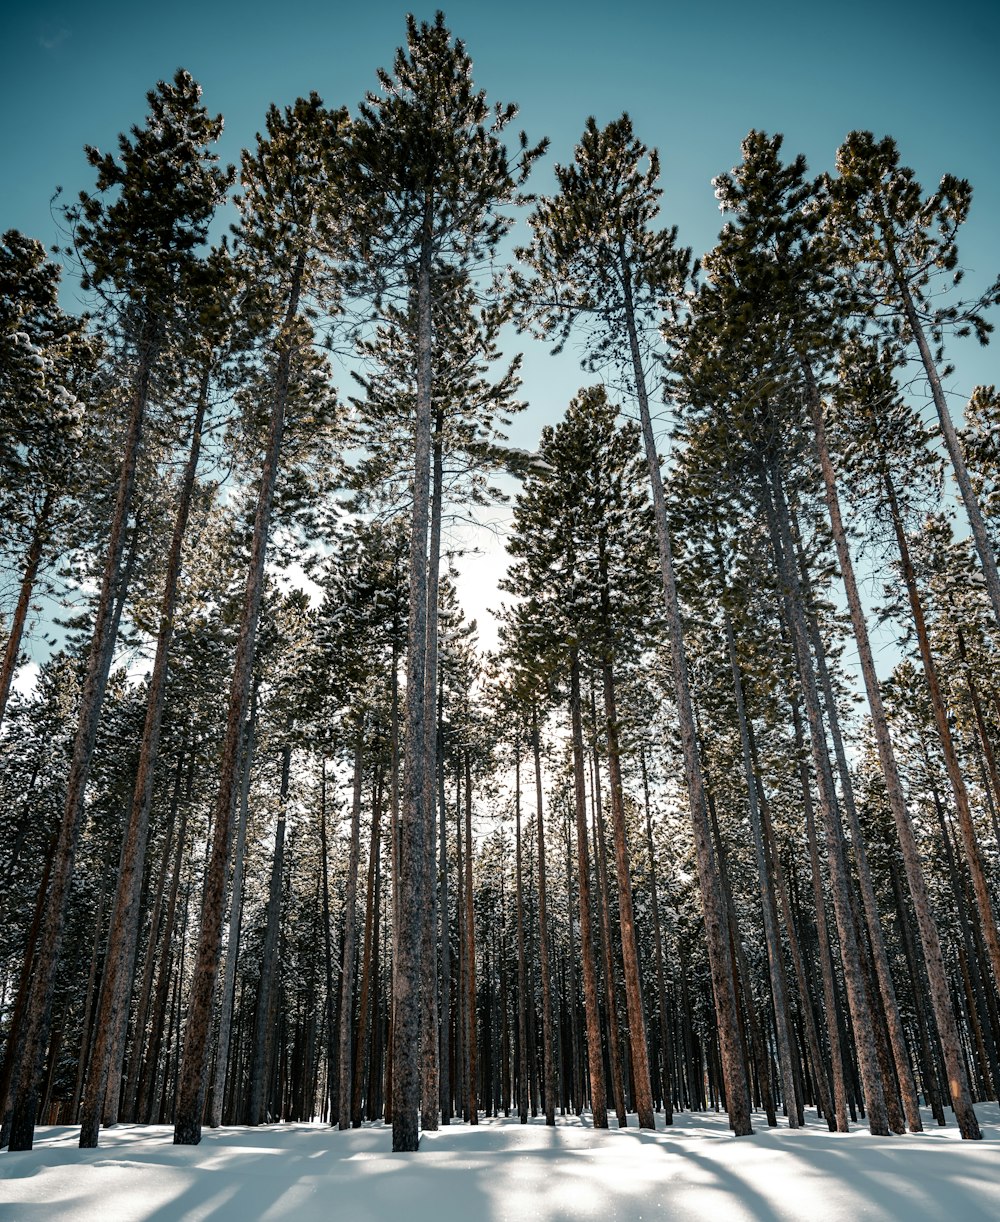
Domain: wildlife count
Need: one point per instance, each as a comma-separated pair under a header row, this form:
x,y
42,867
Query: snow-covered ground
x,y
503,1170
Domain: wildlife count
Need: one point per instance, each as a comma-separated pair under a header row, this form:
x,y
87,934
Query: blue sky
x,y
695,79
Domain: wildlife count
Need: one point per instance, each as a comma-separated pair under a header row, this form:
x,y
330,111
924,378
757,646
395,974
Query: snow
x,y
501,1170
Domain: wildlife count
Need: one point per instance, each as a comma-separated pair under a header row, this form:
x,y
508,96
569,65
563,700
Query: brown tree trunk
x,y
116,985
598,1098
235,922
543,934
962,805
930,940
777,514
630,951
667,1068
350,921
32,560
470,935
607,943
260,1096
192,1080
410,916
369,967
772,935
720,965
34,1038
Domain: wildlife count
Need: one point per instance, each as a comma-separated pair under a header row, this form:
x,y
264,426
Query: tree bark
x,y
39,1006
930,940
116,983
598,1098
192,1081
32,560
720,965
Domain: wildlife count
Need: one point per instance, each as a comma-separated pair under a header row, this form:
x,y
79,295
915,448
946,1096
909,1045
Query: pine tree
x,y
596,260
286,182
138,238
431,182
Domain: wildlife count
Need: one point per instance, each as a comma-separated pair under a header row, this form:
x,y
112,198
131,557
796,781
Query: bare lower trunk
x,y
777,515
720,965
470,936
630,951
235,921
32,560
771,933
347,1069
429,1069
410,916
259,1110
34,1038
930,940
116,984
543,935
192,1080
598,1097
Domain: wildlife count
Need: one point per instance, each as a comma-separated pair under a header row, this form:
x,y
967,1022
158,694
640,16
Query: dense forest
x,y
717,824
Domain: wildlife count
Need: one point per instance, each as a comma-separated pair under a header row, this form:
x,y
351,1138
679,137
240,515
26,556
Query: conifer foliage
x,y
280,841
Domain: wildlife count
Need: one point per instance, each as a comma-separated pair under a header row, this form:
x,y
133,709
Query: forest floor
x,y
501,1170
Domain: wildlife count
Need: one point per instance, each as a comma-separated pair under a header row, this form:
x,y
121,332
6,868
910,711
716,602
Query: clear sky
x,y
694,77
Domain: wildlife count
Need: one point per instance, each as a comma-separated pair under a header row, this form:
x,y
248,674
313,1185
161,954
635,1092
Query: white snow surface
x,y
501,1170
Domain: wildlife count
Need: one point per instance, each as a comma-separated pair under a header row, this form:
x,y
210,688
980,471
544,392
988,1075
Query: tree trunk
x,y
630,951
772,935
598,1098
113,590
720,966
410,915
119,968
192,1081
614,1042
777,515
368,966
32,560
235,921
930,940
470,934
350,921
543,934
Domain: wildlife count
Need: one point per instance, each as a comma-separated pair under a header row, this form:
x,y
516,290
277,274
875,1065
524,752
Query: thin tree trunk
x,y
980,533
720,965
38,1010
543,934
410,916
116,984
235,921
350,921
614,1042
364,1001
667,1068
192,1081
429,1068
470,934
32,560
332,1069
930,940
772,935
522,974
969,839
260,1097
598,1098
